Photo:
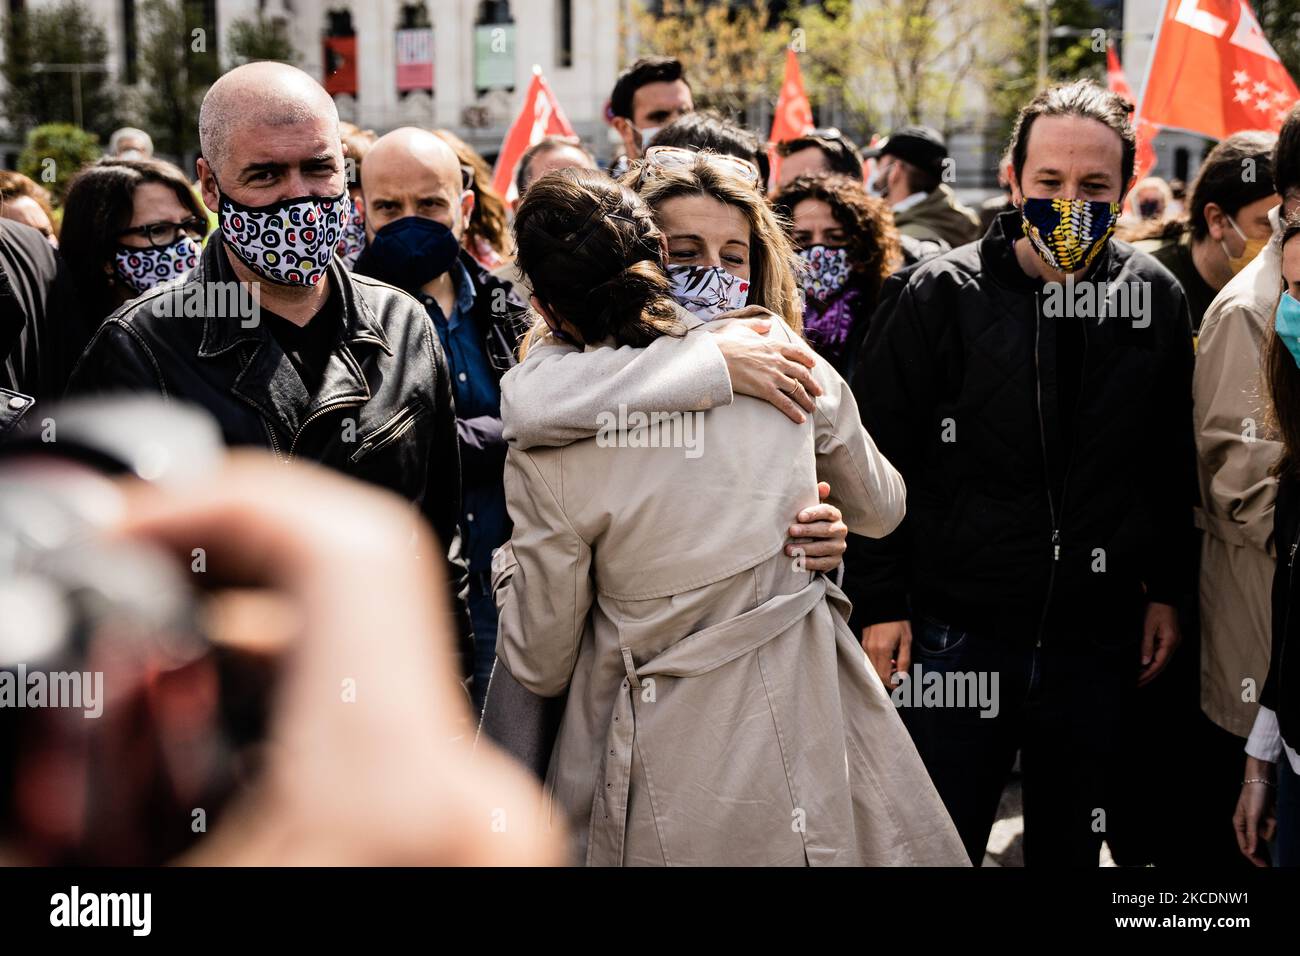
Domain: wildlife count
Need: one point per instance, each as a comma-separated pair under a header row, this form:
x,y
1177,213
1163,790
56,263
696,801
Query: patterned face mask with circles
x,y
827,269
707,291
353,239
289,242
142,269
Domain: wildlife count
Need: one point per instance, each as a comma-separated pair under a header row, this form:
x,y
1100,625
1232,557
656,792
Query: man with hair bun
x,y
1047,450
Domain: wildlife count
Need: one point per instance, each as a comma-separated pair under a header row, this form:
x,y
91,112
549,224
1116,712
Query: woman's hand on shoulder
x,y
777,372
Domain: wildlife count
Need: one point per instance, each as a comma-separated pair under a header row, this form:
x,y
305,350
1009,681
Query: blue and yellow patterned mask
x,y
1068,233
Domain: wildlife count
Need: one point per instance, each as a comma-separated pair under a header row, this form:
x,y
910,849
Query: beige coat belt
x,y
1224,529
693,655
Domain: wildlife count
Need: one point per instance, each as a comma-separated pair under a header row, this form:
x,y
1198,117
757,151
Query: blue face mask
x,y
1287,324
409,253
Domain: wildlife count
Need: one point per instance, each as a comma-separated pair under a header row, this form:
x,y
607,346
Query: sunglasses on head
x,y
679,158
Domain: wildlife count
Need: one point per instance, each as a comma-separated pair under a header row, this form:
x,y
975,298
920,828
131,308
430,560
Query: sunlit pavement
x,y
1006,841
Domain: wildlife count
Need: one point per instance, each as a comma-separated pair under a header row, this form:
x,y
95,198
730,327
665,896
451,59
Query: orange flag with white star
x,y
1214,72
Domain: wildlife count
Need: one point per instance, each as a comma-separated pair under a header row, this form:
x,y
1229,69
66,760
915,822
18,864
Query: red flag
x,y
540,117
1213,72
793,111
1146,130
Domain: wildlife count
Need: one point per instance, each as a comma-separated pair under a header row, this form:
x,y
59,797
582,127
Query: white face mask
x,y
708,291
880,184
647,135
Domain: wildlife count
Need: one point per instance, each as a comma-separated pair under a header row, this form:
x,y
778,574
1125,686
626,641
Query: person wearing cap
x,y
909,176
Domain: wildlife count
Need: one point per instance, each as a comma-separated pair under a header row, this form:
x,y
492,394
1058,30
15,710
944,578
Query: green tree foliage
x,y
65,33
901,62
178,62
1075,51
1280,21
730,53
53,154
260,38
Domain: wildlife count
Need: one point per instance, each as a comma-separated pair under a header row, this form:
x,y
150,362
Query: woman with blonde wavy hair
x,y
725,245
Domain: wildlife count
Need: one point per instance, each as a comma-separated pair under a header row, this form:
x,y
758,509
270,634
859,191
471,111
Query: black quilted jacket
x,y
1012,528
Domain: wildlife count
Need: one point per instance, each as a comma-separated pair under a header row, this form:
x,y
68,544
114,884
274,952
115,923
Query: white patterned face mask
x,y
142,269
289,242
708,291
353,239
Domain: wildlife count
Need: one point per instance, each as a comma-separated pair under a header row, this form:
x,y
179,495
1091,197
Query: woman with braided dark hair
x,y
711,664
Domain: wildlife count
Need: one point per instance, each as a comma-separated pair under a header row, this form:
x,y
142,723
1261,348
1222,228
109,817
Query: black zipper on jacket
x,y
1069,464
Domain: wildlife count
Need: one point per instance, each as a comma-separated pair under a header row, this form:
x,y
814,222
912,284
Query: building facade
x,y
460,64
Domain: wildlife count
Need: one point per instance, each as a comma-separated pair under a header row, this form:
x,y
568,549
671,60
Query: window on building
x,y
338,23
414,16
494,11
1182,162
564,33
414,51
130,44
340,54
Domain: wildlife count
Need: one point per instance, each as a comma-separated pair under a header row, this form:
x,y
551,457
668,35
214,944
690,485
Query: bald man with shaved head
x,y
269,333
417,205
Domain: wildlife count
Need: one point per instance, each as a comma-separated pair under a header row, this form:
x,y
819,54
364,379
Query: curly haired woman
x,y
849,246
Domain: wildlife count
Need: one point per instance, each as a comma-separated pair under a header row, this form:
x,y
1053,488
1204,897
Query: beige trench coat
x,y
1234,455
719,710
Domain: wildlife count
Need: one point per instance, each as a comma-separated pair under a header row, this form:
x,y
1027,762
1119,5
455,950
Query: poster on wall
x,y
415,59
494,56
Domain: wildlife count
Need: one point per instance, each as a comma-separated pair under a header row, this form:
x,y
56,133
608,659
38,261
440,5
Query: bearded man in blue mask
x,y
417,204
271,335
1034,389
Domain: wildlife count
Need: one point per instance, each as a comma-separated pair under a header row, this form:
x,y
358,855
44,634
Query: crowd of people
x,y
875,454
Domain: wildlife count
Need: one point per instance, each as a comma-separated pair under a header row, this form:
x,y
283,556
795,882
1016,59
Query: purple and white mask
x,y
826,271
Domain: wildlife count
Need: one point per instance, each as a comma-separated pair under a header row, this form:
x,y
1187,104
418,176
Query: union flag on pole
x,y
1146,130
793,111
1213,71
539,118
